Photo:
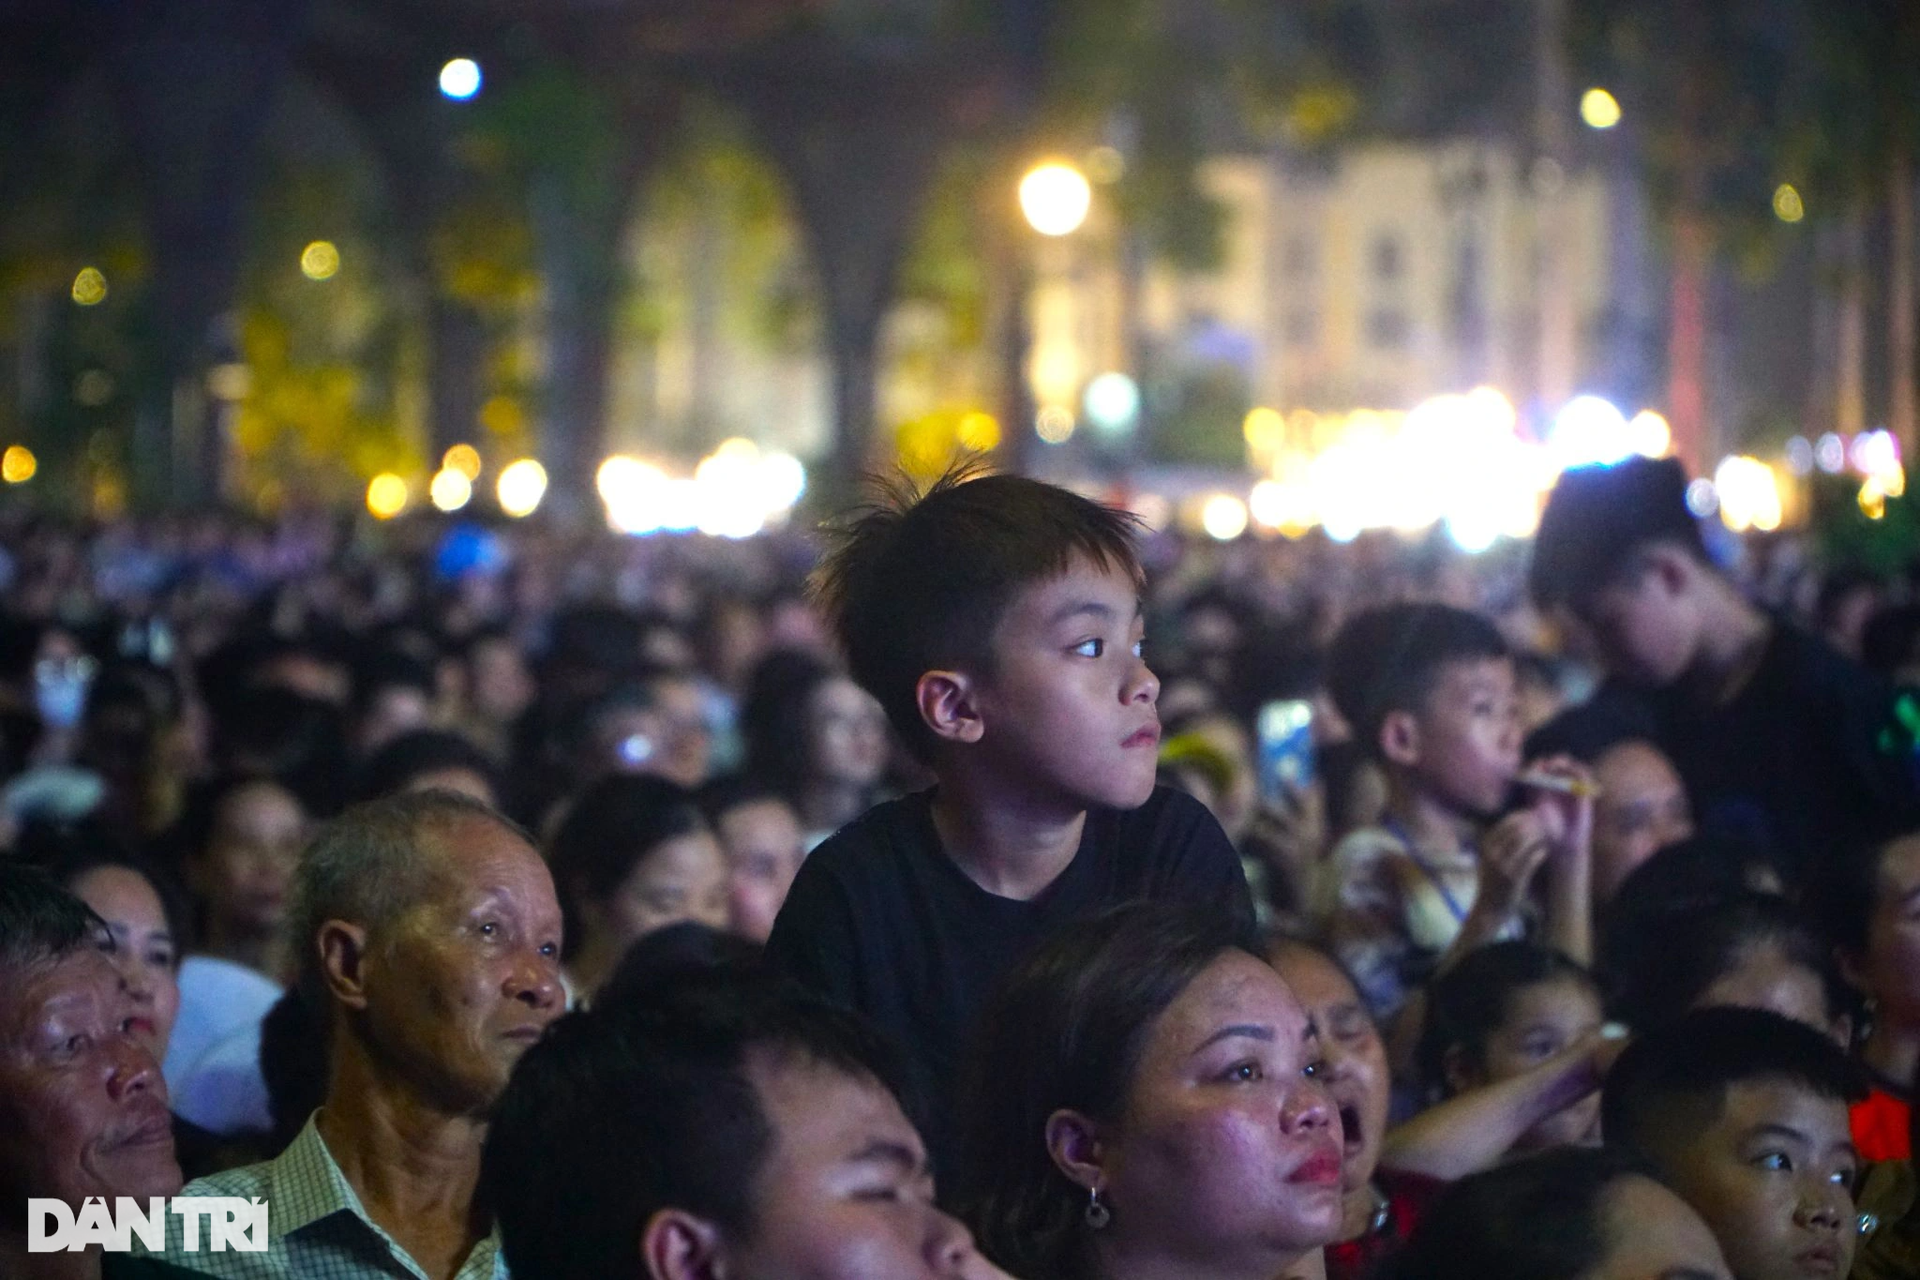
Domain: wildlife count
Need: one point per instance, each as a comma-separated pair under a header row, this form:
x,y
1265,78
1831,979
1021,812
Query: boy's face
x,y
1469,735
1069,710
1773,1177
1642,625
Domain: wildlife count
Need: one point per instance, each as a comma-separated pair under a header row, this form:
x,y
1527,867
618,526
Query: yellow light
x,y
980,432
319,260
17,464
90,287
450,490
1600,109
1224,517
463,458
1749,494
1264,428
1055,197
1893,482
1873,499
1054,424
636,494
1650,434
521,486
1106,165
386,495
1787,204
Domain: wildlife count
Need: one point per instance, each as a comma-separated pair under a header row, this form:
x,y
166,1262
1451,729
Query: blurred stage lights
x,y
521,486
1054,424
1787,204
1599,109
89,287
386,495
463,458
735,492
18,465
1055,198
460,79
1112,401
320,260
1224,517
449,490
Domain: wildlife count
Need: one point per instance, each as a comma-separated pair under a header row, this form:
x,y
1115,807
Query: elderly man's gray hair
x,y
369,866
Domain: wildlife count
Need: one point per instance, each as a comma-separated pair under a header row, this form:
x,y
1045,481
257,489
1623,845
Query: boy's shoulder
x,y
875,841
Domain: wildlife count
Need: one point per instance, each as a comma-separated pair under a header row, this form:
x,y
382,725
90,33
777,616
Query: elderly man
x,y
83,1110
430,935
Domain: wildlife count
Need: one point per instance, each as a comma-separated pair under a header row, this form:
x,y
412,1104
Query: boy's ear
x,y
1400,738
949,705
677,1245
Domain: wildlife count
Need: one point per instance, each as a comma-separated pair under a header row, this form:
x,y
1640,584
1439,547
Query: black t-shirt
x,y
882,921
1814,757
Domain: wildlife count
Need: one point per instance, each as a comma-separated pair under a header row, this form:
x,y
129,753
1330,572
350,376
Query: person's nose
x,y
534,980
131,1068
950,1252
1827,1206
1307,1109
1142,685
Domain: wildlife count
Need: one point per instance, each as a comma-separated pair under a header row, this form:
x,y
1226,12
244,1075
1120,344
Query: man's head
x,y
1619,549
83,1110
1744,1113
923,582
731,1127
1429,691
427,924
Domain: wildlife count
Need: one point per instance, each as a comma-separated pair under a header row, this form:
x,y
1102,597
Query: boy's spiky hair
x,y
918,581
1390,658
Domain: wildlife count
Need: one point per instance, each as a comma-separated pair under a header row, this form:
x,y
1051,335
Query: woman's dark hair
x,y
1066,1028
1847,893
78,852
1473,999
774,714
191,832
1659,974
293,1064
420,752
672,954
608,832
1542,1218
618,1114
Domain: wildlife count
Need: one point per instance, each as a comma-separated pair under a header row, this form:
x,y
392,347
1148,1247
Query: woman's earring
x,y
1098,1215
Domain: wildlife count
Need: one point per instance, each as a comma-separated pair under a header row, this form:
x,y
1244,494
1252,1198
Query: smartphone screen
x,y
1285,730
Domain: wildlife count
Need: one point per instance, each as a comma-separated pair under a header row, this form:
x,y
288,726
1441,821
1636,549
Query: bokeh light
x,y
18,465
1787,204
90,287
1599,109
979,432
1589,431
320,260
521,486
1055,198
386,495
1112,401
1054,424
1224,517
1749,494
460,79
450,490
463,458
1649,434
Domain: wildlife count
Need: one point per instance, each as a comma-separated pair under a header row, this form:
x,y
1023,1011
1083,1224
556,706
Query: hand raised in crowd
x,y
1512,852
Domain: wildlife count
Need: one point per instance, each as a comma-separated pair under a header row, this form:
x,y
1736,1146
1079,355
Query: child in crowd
x,y
1766,724
1753,950
1563,1215
1872,909
1744,1114
997,620
760,833
1429,691
1498,1015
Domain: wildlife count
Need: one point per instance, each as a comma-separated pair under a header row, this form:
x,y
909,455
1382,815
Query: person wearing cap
x,y
1776,736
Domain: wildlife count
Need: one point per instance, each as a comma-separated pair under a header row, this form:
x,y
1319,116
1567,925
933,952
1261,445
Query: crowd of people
x,y
936,894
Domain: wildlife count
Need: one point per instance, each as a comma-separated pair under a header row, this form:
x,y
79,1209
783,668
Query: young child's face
x,y
1544,1020
1469,735
1069,709
1773,1177
1892,970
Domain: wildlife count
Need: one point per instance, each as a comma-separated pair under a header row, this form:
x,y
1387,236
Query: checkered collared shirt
x,y
317,1228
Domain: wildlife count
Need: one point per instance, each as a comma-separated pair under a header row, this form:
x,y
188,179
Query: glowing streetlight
x,y
1599,109
460,79
1055,197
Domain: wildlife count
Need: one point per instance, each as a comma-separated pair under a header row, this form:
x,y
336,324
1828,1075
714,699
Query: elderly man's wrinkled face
x,y
83,1110
458,986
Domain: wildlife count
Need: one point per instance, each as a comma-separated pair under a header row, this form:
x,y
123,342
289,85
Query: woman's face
x,y
1544,1020
144,949
847,734
1356,1075
1650,1231
1642,808
1764,976
246,871
682,878
1892,964
1227,1156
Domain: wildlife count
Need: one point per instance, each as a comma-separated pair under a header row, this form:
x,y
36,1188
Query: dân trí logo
x,y
230,1222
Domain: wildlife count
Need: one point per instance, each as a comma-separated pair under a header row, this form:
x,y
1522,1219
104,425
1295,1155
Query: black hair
x,y
80,851
774,714
723,795
620,1113
1389,659
421,752
918,582
1847,893
1473,999
670,955
299,740
189,835
1889,640
390,668
1598,520
40,922
1659,964
1542,1218
1671,1082
1066,1028
609,831
293,1063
